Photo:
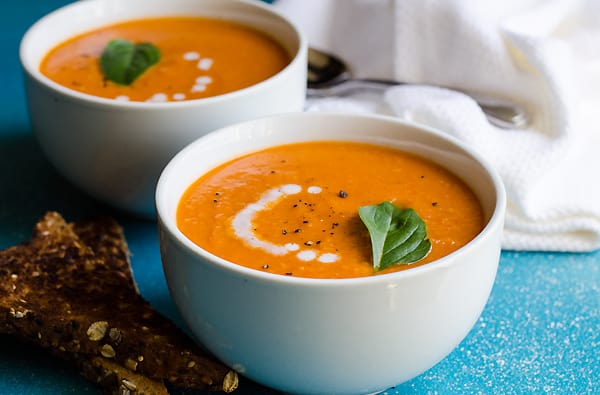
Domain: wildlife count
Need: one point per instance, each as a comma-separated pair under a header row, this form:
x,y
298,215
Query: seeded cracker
x,y
70,290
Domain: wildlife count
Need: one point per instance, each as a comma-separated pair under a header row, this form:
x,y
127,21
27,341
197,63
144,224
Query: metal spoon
x,y
330,76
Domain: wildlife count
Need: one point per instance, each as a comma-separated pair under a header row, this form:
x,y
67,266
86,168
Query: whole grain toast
x,y
70,289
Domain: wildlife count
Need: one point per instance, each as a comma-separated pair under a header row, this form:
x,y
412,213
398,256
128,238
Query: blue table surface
x,y
539,333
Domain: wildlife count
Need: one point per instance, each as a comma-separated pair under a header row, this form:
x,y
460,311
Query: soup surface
x,y
293,209
200,57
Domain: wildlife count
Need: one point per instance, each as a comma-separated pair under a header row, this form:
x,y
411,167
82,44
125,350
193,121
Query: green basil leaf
x,y
398,236
123,61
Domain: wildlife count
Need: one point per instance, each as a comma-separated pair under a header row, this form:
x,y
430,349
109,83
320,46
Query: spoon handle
x,y
499,113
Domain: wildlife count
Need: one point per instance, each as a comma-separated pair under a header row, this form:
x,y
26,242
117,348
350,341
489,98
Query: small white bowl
x,y
116,150
316,336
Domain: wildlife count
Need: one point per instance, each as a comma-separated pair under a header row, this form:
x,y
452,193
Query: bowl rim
x,y
33,70
168,224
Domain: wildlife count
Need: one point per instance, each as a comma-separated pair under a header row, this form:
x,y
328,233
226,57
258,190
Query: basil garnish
x,y
123,61
398,236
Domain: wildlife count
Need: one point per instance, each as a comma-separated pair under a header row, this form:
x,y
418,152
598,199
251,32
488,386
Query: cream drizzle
x,y
244,229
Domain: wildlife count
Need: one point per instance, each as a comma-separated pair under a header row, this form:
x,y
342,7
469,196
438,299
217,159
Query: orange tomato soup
x,y
200,57
293,209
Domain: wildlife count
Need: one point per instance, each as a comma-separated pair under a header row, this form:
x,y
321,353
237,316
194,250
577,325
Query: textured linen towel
x,y
544,55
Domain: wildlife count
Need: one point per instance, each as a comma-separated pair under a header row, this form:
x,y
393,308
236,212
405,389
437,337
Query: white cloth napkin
x,y
544,55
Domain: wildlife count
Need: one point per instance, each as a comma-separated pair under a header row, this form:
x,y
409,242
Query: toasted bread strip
x,y
70,289
117,380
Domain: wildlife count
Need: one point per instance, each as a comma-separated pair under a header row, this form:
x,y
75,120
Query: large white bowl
x,y
315,336
116,150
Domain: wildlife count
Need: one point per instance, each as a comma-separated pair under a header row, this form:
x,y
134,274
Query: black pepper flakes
x,y
265,266
434,204
288,273
297,230
283,232
343,194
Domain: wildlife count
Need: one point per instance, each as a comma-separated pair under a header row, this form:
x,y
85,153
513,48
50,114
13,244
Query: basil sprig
x,y
398,236
123,61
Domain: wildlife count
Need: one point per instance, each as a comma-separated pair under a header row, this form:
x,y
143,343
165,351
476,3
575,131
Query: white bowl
x,y
318,336
116,150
